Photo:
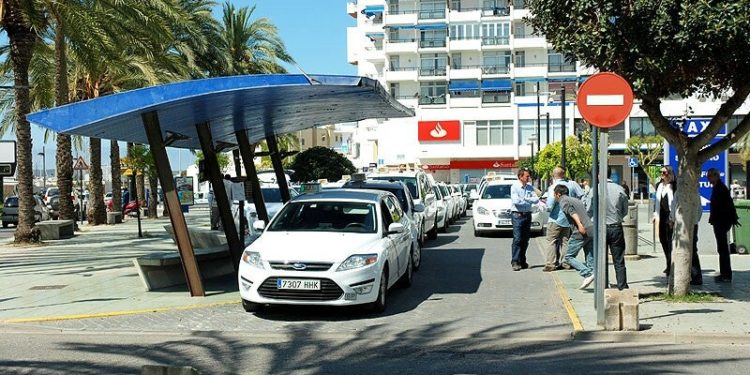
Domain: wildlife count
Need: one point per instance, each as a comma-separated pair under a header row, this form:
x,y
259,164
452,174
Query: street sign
x,y
693,127
80,165
632,162
605,100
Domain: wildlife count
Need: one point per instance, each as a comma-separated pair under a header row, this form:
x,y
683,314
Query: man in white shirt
x,y
523,196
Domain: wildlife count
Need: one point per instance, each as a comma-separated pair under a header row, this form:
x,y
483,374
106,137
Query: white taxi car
x,y
336,247
491,212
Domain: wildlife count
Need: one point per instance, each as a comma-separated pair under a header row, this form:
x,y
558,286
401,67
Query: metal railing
x,y
432,99
499,12
403,68
432,71
495,41
431,14
402,40
464,66
556,68
495,69
432,43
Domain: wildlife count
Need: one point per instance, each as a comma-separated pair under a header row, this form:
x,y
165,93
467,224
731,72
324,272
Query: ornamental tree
x,y
320,162
664,48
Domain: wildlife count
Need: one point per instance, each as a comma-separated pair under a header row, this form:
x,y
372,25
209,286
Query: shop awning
x,y
372,10
497,85
463,85
429,26
375,35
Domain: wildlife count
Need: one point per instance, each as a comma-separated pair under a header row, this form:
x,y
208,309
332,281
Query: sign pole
x,y
600,219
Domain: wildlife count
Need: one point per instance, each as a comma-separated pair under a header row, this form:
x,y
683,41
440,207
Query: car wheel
x,y
379,305
416,258
477,233
741,249
408,275
432,234
251,306
445,226
421,236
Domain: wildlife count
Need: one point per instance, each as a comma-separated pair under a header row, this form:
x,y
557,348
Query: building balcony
x,y
561,68
465,44
408,45
401,17
465,102
432,100
495,41
495,12
465,15
432,43
495,69
402,74
465,72
432,72
438,14
351,8
529,41
408,101
372,54
530,70
519,14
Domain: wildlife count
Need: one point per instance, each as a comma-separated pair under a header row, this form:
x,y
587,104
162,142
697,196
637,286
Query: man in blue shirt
x,y
523,197
558,227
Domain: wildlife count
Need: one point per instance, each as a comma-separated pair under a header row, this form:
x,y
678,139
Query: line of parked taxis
x,y
350,245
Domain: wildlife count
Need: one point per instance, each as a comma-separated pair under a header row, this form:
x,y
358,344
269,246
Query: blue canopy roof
x,y
463,85
259,104
497,85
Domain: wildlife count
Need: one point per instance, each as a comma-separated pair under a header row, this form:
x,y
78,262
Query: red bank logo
x,y
439,131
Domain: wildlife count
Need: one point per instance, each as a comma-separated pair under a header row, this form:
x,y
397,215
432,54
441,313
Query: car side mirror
x,y
259,225
395,228
418,207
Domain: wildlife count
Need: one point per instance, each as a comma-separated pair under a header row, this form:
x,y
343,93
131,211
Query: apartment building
x,y
486,90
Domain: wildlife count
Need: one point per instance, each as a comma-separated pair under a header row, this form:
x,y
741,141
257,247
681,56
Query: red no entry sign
x,y
605,99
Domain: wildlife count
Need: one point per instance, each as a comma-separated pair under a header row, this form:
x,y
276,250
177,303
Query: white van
x,y
420,185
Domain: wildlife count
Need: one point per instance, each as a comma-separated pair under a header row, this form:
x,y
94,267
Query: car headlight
x,y
483,211
253,258
357,261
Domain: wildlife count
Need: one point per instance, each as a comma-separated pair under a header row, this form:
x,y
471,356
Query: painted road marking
x,y
605,100
574,319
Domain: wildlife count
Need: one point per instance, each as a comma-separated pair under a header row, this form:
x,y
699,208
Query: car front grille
x,y
300,266
329,291
503,214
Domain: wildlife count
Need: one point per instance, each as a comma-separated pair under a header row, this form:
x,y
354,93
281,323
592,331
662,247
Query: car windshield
x,y
327,216
11,202
52,192
410,182
496,192
273,195
444,190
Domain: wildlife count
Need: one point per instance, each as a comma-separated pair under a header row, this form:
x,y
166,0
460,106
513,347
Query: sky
x,y
314,33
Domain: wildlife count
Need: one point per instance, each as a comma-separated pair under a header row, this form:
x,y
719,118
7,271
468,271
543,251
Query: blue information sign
x,y
693,127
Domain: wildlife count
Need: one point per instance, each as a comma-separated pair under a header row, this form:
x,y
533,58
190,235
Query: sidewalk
x,y
65,278
723,321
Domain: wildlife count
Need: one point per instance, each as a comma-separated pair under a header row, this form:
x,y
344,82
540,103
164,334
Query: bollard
x,y
630,229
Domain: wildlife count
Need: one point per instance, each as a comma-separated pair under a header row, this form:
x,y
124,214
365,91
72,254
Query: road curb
x,y
661,337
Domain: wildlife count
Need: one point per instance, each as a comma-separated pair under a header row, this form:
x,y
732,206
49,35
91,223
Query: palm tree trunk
x,y
97,213
64,152
141,189
22,39
114,160
153,199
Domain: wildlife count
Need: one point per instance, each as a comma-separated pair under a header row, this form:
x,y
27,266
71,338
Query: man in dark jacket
x,y
723,216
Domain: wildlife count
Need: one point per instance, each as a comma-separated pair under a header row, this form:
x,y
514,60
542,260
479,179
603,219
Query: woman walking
x,y
665,190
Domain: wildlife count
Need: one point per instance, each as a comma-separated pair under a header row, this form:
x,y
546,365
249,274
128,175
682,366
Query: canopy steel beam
x,y
220,193
164,171
241,207
278,168
247,153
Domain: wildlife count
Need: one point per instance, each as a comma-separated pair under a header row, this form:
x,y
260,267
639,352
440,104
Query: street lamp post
x,y
538,121
562,109
44,169
534,138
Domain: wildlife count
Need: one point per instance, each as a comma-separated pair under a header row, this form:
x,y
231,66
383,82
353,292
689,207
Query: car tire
x,y
379,305
422,235
416,258
408,276
432,234
251,306
477,233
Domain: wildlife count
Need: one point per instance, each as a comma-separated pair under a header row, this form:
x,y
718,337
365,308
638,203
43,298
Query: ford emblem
x,y
299,266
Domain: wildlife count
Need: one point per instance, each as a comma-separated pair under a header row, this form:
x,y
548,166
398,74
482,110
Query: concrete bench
x,y
164,269
56,229
114,218
201,237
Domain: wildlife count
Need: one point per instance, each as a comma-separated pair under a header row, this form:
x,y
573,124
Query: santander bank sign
x,y
439,131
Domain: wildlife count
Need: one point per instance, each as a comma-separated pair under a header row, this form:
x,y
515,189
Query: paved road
x,y
464,288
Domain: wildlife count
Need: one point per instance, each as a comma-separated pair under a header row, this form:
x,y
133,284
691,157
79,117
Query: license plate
x,y
298,284
503,222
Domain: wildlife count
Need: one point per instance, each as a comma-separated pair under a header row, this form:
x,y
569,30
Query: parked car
x,y
441,218
336,247
492,211
420,185
450,203
403,195
53,207
49,193
471,193
10,211
271,199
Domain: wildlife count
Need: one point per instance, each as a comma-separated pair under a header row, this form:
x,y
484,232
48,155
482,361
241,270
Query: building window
x,y
433,64
494,132
617,133
494,34
432,92
432,10
520,88
393,88
520,59
433,38
557,86
302,141
641,127
495,96
496,62
556,62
